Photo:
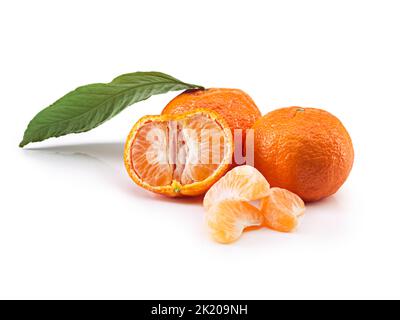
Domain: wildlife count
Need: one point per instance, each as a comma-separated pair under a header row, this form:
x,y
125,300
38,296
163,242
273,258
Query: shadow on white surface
x,y
110,151
331,201
109,154
104,161
93,163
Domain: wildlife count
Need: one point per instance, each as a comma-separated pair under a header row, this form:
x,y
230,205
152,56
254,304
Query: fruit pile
x,y
304,154
230,210
300,154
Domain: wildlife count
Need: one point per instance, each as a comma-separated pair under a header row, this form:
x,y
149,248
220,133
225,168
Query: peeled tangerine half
x,y
281,210
228,211
179,155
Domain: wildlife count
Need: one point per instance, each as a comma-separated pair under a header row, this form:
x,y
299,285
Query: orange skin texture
x,y
304,150
234,105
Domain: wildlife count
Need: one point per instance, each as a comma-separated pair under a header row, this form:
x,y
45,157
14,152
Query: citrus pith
x,y
179,155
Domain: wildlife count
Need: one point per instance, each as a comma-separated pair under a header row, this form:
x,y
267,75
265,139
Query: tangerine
x,y
305,150
179,155
234,105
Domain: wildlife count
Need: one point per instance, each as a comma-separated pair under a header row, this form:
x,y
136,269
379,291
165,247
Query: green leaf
x,y
89,106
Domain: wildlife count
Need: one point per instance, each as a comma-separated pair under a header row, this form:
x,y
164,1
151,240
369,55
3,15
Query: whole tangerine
x,y
235,106
305,150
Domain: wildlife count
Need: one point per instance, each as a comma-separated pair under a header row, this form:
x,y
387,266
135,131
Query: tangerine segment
x,y
228,219
243,183
179,155
281,210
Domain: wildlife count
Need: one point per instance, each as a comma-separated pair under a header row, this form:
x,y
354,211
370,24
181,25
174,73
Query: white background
x,y
73,225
